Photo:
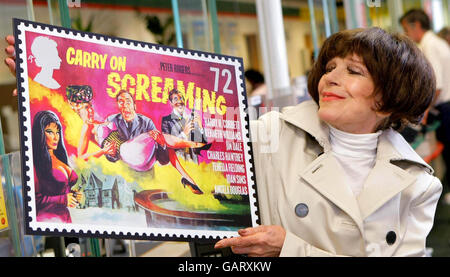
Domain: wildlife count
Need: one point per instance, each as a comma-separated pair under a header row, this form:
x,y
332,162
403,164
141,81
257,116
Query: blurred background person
x,y
445,34
256,80
258,92
417,26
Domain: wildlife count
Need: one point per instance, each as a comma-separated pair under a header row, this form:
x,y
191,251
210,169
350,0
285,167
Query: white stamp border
x,y
33,227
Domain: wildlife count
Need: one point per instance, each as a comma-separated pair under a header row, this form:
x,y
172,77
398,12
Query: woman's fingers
x,y
250,245
153,134
11,65
226,242
10,39
257,241
10,50
72,201
79,197
252,230
11,53
236,241
10,60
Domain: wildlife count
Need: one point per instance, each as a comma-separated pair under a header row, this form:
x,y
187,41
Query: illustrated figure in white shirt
x,y
46,56
188,127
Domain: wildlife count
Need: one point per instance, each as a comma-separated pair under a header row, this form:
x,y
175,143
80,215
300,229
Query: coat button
x,y
391,237
301,210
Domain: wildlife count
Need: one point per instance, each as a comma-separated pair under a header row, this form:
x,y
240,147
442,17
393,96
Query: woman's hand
x,y
158,137
78,196
10,60
110,148
261,241
72,201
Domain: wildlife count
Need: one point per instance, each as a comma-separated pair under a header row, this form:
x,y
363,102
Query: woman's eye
x,y
329,69
354,72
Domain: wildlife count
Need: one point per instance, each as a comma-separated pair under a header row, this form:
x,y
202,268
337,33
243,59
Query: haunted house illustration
x,y
102,193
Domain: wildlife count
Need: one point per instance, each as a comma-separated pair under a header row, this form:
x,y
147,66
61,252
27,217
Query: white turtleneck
x,y
356,153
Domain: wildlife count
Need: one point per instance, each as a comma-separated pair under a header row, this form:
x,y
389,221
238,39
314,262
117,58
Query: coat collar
x,y
385,180
304,116
391,145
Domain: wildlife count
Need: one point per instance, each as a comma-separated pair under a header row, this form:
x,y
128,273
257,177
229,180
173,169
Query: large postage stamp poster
x,y
129,139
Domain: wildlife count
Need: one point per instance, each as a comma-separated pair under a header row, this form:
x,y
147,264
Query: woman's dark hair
x,y
79,94
41,157
402,76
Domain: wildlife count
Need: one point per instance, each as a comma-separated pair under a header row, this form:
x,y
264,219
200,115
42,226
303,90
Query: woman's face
x,y
84,110
346,96
52,136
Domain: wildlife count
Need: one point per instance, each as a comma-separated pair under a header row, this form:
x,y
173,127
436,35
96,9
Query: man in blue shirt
x,y
131,124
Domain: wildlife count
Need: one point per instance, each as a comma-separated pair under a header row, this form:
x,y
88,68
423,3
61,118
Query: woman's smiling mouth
x,y
329,96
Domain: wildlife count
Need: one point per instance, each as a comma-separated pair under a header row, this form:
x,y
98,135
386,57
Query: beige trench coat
x,y
301,187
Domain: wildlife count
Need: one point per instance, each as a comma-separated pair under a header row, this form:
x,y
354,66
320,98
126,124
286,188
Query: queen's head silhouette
x,y
46,56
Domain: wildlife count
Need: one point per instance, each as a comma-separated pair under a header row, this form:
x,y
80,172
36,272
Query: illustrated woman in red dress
x,y
53,176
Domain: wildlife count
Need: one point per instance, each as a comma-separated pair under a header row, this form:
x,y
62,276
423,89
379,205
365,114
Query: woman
x,y
79,98
139,152
54,176
336,179
365,85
